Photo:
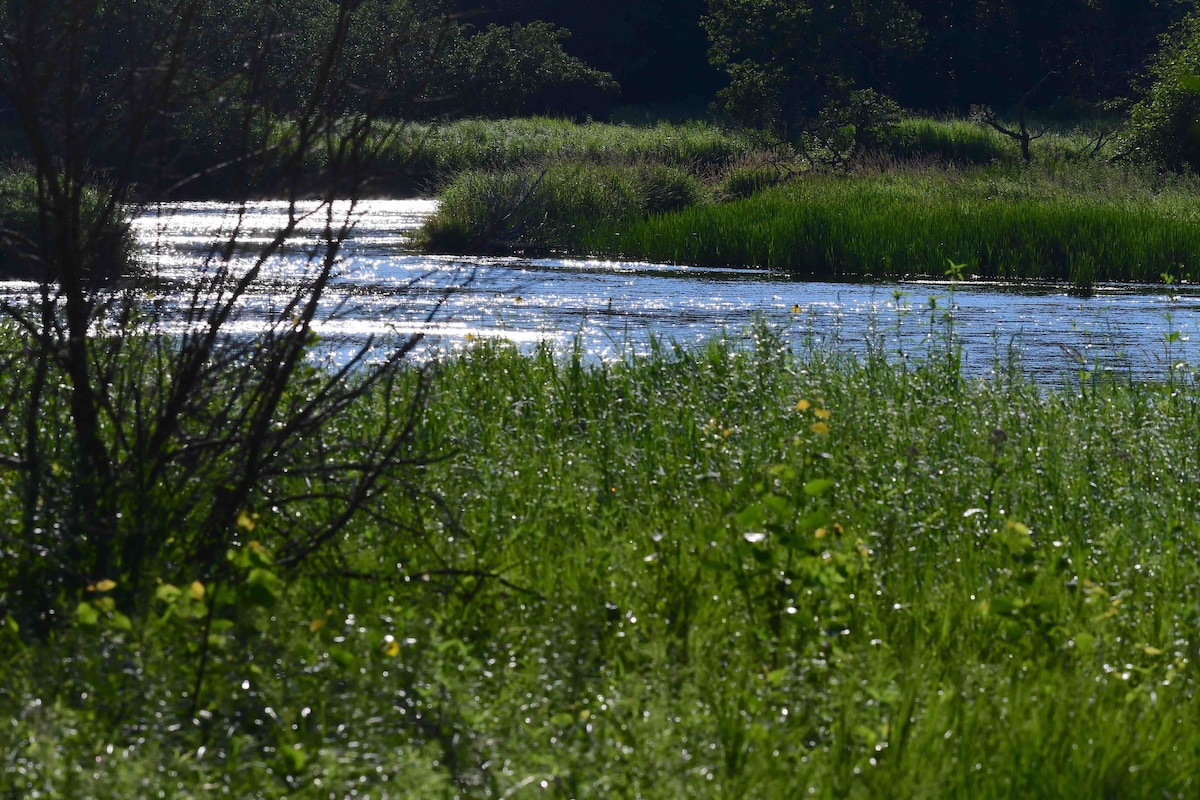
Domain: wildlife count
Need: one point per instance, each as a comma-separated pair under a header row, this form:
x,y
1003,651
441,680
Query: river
x,y
612,308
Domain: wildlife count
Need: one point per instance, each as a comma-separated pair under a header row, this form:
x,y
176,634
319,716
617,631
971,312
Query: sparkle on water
x,y
611,306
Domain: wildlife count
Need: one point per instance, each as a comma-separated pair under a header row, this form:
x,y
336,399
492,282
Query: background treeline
x,y
932,55
770,59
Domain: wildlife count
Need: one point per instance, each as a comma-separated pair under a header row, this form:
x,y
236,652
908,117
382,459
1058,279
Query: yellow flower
x,y
819,428
803,405
822,413
392,649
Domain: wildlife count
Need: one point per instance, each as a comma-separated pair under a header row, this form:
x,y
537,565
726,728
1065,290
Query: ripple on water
x,y
610,306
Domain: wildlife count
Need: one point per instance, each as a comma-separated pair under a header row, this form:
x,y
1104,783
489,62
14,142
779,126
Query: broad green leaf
x,y
818,487
262,587
88,614
778,504
751,516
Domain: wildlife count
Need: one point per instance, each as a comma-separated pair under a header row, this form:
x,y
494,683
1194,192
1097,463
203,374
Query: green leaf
x,y
88,614
167,593
818,487
294,757
778,504
815,519
751,516
121,621
262,587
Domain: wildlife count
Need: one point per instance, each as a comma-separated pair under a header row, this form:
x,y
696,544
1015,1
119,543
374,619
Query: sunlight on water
x,y
612,307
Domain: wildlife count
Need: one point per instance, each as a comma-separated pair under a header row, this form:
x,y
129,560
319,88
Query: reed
x,y
555,207
446,150
952,141
1000,224
108,254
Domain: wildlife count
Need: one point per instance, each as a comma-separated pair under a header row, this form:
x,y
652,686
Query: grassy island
x,y
938,196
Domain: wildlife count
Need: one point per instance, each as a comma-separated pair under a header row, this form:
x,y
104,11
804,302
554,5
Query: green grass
x,y
942,192
1079,226
554,207
733,571
443,151
108,250
952,141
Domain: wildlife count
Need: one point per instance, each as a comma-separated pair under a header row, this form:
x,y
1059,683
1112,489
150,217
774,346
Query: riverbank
x,y
707,572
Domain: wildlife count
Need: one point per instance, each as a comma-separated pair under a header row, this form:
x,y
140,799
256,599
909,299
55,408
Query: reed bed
x,y
445,150
540,209
1006,225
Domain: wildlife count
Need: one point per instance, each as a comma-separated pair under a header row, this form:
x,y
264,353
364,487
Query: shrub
x,y
665,189
1164,125
530,210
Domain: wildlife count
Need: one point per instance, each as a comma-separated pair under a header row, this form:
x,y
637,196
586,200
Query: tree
x,y
1164,124
787,60
132,456
653,48
518,70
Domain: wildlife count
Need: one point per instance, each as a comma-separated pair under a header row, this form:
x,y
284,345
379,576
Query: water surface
x,y
611,307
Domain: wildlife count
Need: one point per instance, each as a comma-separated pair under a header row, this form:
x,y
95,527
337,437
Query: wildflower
x,y
819,428
803,405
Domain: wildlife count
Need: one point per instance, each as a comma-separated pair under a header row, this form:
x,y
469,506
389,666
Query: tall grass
x,y
1000,224
108,254
952,141
720,572
447,149
554,207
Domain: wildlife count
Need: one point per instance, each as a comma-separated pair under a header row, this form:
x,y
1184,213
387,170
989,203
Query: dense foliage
x,y
522,70
789,60
1164,125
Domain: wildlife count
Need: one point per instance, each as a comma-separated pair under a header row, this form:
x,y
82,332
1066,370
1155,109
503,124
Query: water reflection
x,y
610,307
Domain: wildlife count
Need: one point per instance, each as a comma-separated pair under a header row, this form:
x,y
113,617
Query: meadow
x,y
729,571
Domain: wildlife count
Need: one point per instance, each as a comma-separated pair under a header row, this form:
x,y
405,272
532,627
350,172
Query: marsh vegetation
x,y
755,567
